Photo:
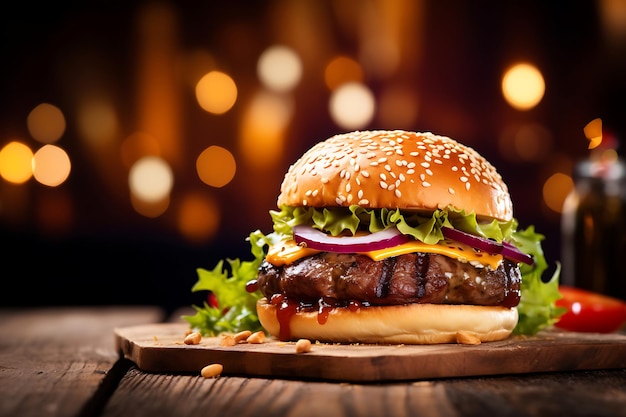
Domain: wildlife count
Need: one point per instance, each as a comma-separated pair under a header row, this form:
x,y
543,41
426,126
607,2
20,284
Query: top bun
x,y
396,169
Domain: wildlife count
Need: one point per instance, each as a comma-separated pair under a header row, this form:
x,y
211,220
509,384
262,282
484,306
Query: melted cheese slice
x,y
287,252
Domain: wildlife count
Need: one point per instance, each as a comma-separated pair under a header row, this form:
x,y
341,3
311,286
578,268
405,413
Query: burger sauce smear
x,y
286,309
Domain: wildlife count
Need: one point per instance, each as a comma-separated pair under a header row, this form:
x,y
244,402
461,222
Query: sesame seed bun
x,y
396,169
424,324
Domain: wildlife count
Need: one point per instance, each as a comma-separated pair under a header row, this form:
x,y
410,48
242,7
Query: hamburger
x,y
390,237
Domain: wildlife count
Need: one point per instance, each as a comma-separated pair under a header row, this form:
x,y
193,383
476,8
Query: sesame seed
x,y
425,164
325,180
425,184
451,190
383,176
464,179
429,172
365,174
315,192
388,168
397,193
363,202
383,185
410,171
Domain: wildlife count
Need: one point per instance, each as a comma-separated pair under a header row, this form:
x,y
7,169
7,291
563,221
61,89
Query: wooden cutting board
x,y
160,348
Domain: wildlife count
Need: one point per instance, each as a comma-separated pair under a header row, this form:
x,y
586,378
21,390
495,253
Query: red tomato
x,y
589,311
212,300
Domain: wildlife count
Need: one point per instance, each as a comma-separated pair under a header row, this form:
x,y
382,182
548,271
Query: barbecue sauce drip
x,y
286,309
511,297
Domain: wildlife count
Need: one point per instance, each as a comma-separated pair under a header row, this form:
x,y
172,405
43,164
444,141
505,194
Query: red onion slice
x,y
484,244
511,252
505,249
316,239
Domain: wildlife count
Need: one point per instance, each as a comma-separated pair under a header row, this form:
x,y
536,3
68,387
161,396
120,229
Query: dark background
x,y
109,254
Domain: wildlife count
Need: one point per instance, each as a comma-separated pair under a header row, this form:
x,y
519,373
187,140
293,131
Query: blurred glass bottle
x,y
593,226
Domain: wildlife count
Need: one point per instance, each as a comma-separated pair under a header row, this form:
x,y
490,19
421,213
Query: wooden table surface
x,y
62,361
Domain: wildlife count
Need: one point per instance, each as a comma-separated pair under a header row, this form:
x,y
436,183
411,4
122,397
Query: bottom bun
x,y
403,324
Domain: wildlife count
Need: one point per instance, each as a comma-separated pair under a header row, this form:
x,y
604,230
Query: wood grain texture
x,y
160,348
582,393
53,360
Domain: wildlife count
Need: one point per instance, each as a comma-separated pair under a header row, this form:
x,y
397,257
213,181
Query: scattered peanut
x,y
241,336
303,346
227,340
212,371
467,338
193,338
256,337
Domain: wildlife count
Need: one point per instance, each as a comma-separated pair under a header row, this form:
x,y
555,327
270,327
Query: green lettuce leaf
x,y
237,309
425,227
537,308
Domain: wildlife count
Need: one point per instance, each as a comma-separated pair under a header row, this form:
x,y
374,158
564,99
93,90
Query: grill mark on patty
x,y
507,268
421,269
389,265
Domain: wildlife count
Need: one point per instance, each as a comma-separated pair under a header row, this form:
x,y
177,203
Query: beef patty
x,y
404,279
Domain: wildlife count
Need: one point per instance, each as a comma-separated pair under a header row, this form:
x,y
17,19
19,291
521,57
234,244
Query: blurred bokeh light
x,y
216,166
352,106
16,162
279,68
216,92
150,179
46,123
51,165
523,86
